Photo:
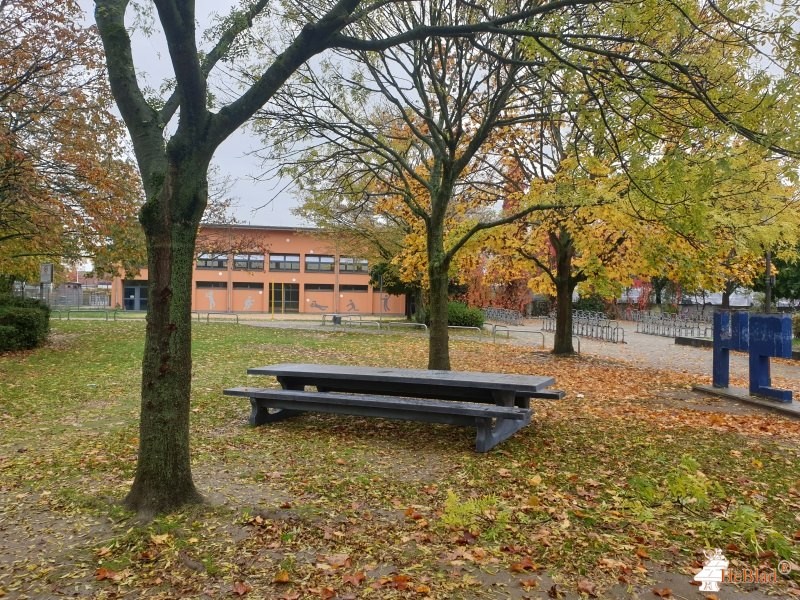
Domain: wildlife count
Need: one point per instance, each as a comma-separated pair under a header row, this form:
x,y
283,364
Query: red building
x,y
262,269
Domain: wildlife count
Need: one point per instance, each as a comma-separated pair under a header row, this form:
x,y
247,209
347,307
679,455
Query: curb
x,y
788,409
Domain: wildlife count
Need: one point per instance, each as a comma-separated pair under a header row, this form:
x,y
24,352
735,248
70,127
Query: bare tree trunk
x,y
163,478
438,267
565,286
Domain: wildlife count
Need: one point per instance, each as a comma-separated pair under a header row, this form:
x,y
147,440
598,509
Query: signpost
x,y
46,273
45,278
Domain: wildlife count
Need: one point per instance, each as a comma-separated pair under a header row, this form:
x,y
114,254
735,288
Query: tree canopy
x,y
66,189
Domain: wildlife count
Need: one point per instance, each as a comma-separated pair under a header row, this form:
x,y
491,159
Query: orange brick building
x,y
263,269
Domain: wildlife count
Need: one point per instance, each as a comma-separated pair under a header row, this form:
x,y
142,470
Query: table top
x,y
464,379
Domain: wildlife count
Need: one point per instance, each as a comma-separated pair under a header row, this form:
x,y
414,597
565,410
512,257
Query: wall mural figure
x,y
248,303
385,299
351,306
317,305
211,302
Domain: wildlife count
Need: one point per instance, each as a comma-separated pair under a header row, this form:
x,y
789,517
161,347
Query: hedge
x,y
458,315
24,323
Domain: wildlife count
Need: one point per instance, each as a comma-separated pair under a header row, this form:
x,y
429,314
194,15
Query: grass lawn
x,y
618,487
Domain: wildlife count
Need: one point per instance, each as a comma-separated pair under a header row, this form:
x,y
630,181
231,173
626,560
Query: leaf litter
x,y
610,490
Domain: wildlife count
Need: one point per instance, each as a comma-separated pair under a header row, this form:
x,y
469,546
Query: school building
x,y
263,269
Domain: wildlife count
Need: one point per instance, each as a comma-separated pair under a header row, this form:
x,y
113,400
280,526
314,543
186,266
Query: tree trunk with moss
x,y
163,479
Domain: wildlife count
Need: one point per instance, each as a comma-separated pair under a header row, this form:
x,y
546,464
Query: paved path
x,y
639,349
662,352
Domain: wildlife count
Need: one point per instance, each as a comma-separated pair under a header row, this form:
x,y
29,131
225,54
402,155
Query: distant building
x,y
263,269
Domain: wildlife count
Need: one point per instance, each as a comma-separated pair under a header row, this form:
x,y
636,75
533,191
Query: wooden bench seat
x,y
494,423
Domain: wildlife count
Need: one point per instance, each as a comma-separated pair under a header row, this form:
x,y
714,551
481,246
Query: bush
x,y
796,326
461,315
24,323
458,314
24,303
592,302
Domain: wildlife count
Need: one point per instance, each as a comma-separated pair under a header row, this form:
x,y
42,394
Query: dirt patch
x,y
691,400
39,545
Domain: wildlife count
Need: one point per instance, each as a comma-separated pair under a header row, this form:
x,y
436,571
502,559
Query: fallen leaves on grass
x,y
346,507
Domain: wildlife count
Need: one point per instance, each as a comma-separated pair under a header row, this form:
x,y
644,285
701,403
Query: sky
x,y
255,202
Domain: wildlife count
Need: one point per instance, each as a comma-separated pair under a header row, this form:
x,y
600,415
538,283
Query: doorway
x,y
284,297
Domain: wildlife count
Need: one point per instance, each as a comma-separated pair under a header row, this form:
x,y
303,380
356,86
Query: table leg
x,y
503,397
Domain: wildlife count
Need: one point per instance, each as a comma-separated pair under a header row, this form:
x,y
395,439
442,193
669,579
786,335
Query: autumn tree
x,y
700,218
175,136
787,278
744,201
409,132
66,190
584,239
642,155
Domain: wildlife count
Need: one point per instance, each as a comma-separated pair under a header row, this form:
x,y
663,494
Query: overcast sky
x,y
257,202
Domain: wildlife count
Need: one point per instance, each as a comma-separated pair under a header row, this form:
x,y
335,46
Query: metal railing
x,y
590,324
466,328
508,331
503,315
389,324
224,316
668,325
108,314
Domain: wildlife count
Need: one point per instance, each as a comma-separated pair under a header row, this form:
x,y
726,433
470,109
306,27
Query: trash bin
x,y
337,319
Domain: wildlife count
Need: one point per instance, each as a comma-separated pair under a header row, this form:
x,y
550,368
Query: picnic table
x,y
497,404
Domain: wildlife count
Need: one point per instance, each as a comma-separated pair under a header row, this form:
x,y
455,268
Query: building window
x,y
212,261
353,288
284,262
212,285
317,262
348,264
248,262
247,285
318,287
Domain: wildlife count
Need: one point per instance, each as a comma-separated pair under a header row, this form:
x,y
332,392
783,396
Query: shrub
x,y
24,323
461,315
796,326
458,314
592,302
24,303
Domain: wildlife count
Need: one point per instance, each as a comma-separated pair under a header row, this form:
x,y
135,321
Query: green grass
x,y
568,492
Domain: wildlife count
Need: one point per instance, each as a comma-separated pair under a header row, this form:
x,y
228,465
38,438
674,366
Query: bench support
x,y
494,423
492,433
261,414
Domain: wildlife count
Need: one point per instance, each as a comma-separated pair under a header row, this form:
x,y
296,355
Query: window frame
x,y
351,264
353,288
317,259
252,261
211,285
221,259
282,261
318,287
